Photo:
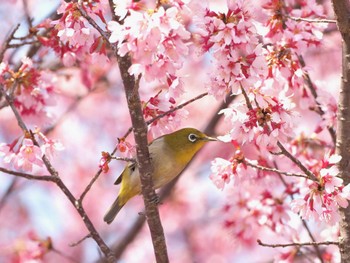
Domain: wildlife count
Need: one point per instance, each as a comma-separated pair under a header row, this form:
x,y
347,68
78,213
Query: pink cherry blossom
x,y
323,199
271,120
156,40
31,249
221,172
29,155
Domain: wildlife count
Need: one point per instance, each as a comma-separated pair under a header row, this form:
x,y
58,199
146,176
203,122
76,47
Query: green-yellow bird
x,y
169,154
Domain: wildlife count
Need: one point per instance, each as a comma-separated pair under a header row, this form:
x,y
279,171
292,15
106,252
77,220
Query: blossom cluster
x,y
267,121
158,105
72,38
287,38
157,42
321,199
24,155
33,90
31,248
249,213
232,40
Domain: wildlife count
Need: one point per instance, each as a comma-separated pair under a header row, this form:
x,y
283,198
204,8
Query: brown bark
x,y
143,159
342,13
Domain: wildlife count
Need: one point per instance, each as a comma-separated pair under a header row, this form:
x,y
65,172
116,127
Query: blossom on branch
x,y
323,198
33,90
29,155
270,120
232,40
156,41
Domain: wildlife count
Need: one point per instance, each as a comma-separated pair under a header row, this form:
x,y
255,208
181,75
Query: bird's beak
x,y
207,138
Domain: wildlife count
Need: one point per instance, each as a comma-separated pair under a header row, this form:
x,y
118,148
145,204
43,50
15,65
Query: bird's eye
x,y
192,137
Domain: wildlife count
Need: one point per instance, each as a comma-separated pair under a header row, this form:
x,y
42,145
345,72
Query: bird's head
x,y
184,143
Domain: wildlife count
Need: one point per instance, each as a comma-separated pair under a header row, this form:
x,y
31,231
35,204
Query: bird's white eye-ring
x,y
192,137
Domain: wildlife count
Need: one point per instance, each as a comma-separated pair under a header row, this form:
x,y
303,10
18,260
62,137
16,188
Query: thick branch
x,y
342,13
143,159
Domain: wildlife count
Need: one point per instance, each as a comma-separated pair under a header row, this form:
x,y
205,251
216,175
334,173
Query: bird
x,y
169,155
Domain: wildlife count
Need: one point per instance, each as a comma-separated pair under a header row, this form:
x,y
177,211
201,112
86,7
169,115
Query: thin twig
x,y
47,178
92,22
9,100
176,108
314,94
133,160
311,20
263,168
7,42
249,105
55,178
8,192
316,247
325,243
80,241
285,152
23,44
317,250
64,255
25,130
26,11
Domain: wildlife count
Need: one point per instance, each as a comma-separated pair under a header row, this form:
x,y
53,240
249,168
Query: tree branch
x,y
285,152
47,178
56,179
27,15
325,243
143,159
263,168
7,42
313,91
310,20
342,14
8,192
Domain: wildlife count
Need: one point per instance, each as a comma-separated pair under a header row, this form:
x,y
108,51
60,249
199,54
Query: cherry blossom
x,y
29,155
157,41
232,40
159,104
323,198
104,161
269,121
126,147
31,248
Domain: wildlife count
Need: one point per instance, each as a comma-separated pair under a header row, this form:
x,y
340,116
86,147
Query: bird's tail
x,y
113,211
